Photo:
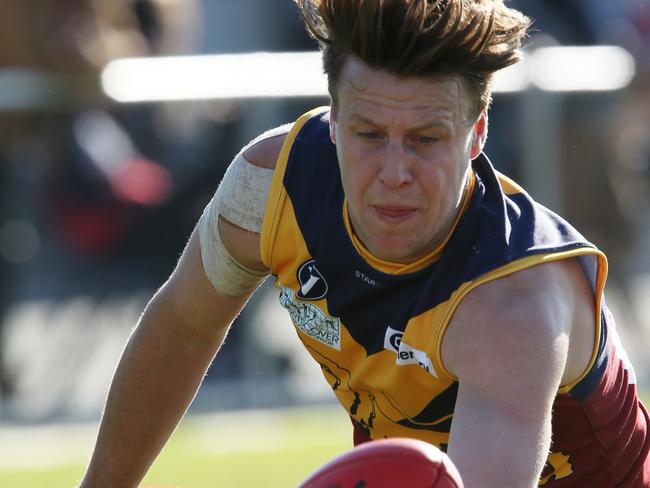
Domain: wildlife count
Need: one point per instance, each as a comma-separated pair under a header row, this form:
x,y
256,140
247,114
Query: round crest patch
x,y
312,284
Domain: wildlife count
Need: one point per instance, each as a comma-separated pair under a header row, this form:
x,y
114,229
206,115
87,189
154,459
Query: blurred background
x,y
98,194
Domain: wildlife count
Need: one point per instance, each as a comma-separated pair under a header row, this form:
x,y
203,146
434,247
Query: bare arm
x,y
508,345
167,355
160,370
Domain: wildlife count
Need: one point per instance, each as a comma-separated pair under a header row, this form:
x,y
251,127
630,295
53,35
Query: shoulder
x,y
545,288
237,209
521,321
263,151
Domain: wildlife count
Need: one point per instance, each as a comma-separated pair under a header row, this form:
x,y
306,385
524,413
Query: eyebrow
x,y
364,119
428,125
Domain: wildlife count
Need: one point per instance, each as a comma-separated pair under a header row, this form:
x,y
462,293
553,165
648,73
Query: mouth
x,y
394,214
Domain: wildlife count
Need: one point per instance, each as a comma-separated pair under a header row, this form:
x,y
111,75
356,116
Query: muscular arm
x,y
508,346
167,355
160,370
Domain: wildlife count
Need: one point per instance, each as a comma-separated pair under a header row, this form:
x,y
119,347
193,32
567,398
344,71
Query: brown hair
x,y
470,38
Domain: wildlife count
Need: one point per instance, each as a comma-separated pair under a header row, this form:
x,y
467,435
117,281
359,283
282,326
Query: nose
x,y
395,168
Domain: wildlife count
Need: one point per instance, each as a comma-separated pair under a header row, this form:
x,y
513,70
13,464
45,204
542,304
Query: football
x,y
387,463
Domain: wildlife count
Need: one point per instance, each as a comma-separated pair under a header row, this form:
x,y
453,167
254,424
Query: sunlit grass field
x,y
249,449
271,448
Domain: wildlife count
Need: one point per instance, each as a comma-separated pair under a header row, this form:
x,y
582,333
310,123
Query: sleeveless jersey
x,y
376,330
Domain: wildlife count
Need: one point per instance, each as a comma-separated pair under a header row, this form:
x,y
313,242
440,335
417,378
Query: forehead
x,y
362,88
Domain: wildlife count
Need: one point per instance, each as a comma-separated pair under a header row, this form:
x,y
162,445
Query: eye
x,y
369,135
426,139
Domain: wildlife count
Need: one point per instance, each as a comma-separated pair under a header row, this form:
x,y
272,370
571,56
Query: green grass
x,y
272,449
252,449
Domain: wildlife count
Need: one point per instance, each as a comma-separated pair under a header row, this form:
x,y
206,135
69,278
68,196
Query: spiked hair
x,y
467,38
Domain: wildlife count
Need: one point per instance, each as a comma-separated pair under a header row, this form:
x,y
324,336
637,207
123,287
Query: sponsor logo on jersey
x,y
392,339
312,320
312,284
405,353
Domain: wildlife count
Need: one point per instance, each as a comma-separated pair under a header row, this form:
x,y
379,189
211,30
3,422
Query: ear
x,y
332,124
479,135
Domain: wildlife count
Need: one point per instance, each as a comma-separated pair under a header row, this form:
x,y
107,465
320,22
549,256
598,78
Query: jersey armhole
x,y
513,267
277,192
599,293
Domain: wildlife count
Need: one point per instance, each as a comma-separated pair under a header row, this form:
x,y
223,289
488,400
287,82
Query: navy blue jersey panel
x,y
508,227
312,179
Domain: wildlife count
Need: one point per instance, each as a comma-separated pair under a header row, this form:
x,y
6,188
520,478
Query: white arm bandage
x,y
240,199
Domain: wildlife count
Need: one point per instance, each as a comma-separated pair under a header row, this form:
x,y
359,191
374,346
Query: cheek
x,y
434,185
456,160
348,174
437,182
356,170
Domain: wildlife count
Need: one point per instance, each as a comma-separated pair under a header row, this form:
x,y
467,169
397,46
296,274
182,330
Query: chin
x,y
391,244
393,253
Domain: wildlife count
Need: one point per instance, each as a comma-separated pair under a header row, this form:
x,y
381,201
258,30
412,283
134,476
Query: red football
x,y
387,463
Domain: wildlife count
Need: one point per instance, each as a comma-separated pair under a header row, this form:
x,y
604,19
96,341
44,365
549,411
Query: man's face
x,y
404,146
